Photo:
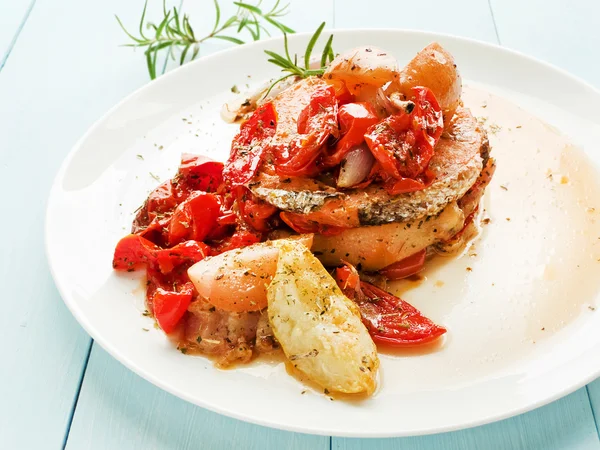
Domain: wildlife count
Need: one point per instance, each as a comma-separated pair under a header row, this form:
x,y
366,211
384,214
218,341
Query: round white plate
x,y
103,181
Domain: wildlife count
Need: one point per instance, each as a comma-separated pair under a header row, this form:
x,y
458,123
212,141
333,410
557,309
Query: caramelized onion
x,y
356,166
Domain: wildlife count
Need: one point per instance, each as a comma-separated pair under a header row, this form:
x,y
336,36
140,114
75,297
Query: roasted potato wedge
x,y
319,329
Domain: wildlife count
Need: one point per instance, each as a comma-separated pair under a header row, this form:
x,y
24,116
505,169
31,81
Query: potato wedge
x,y
319,329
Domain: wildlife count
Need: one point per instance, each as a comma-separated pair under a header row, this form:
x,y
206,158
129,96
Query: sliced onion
x,y
384,102
355,166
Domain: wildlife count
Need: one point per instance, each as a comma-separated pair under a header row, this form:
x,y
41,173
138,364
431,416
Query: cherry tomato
x,y
390,320
194,218
404,143
315,123
199,173
170,306
355,119
248,147
405,267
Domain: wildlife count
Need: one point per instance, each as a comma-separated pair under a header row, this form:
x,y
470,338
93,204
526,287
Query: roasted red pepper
x,y
315,123
390,320
249,146
406,267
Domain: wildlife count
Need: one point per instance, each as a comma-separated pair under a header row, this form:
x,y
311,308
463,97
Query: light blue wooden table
x,y
60,69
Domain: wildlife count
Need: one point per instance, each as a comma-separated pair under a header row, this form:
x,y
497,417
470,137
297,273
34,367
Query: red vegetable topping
x,y
403,143
248,147
355,119
405,267
170,306
390,320
315,124
194,218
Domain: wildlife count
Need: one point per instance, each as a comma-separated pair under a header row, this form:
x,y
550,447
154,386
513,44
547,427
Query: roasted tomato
x,y
390,320
195,218
199,173
316,123
403,144
133,252
170,306
354,119
248,147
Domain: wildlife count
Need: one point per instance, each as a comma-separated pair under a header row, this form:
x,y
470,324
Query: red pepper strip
x,y
170,306
405,267
248,147
390,320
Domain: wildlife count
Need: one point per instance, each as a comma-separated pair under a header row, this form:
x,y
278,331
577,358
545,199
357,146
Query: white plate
x,y
103,181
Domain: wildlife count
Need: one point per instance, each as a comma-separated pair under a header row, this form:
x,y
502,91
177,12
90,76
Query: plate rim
x,y
114,352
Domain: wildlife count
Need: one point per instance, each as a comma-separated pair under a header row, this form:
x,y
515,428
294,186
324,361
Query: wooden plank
x,y
65,70
567,423
469,18
563,33
594,394
12,19
119,410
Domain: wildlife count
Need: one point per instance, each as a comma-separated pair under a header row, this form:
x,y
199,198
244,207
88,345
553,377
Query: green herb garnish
x,y
174,31
291,67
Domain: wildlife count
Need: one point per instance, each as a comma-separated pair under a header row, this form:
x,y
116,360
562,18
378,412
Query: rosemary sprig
x,y
174,31
291,67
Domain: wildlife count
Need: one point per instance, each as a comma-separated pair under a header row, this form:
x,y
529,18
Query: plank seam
x,y
76,399
16,35
494,22
587,390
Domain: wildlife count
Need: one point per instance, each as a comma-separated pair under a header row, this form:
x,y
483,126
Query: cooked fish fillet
x,y
375,247
457,162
